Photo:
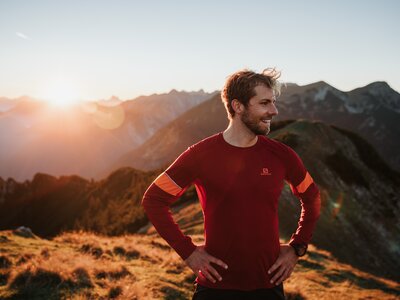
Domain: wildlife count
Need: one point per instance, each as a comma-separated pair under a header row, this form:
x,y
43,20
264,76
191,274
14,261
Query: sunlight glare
x,y
61,94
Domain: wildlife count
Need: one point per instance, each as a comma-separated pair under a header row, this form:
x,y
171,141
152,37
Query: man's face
x,y
261,108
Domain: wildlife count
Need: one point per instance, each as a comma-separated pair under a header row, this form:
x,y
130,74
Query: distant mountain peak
x,y
173,91
198,92
378,84
318,85
321,82
112,101
113,98
290,84
380,88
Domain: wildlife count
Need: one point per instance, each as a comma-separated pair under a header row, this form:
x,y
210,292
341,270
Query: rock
x,y
24,232
4,239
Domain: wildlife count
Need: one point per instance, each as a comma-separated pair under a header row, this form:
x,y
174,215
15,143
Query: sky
x,y
96,49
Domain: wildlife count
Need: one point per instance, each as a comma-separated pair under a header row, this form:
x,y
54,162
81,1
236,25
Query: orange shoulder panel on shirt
x,y
164,182
303,186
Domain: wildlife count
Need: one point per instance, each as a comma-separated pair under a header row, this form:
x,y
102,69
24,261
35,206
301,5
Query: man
x,y
239,175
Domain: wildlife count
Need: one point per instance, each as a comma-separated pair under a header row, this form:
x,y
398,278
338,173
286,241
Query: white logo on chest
x,y
265,172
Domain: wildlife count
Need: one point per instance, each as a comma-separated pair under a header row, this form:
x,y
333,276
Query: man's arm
x,y
305,189
303,186
166,189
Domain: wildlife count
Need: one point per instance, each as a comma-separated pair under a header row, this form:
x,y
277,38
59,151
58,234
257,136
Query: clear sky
x,y
130,48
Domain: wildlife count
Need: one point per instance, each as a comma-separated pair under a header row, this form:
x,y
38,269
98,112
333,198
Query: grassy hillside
x,y
81,265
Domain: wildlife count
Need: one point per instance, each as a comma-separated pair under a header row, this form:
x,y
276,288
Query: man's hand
x,y
199,261
284,265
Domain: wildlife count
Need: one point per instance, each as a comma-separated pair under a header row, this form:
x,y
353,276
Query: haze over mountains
x,y
81,140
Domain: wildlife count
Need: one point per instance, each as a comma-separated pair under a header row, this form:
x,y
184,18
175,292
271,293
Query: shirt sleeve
x,y
165,190
305,189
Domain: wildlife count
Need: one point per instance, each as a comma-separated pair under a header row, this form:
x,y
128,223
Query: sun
x,y
61,94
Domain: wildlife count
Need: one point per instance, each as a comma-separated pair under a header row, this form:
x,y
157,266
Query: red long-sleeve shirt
x,y
238,188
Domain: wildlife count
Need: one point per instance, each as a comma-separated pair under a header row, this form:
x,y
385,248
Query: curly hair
x,y
240,85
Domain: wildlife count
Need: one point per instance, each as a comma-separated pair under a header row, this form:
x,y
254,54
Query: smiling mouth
x,y
266,121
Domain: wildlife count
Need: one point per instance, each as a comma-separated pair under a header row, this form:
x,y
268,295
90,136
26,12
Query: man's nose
x,y
273,110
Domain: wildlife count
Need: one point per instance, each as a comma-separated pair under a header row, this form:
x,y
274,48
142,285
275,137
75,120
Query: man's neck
x,y
237,134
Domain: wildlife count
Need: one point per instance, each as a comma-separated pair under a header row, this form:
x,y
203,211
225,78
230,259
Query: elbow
x,y
146,199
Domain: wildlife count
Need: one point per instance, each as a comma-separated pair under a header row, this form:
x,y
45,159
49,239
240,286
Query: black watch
x,y
300,249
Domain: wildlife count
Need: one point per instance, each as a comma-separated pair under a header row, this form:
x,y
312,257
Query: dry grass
x,y
87,266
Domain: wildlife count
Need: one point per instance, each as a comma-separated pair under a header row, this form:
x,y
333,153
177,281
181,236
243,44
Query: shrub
x,y
132,254
82,278
35,278
118,250
115,292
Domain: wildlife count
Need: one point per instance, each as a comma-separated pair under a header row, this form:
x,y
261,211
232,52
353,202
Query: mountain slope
x,y
372,111
361,209
166,144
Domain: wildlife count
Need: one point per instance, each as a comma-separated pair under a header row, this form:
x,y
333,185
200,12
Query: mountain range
x,y
148,132
372,111
373,114
81,140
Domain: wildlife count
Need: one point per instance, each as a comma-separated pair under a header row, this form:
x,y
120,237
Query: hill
x,y
49,205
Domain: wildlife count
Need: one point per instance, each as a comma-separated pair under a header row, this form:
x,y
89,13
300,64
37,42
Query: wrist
x,y
299,249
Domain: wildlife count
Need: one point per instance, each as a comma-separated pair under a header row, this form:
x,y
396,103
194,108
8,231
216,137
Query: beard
x,y
253,124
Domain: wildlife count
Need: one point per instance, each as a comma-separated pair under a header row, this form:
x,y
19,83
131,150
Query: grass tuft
x,y
118,273
5,262
92,249
118,250
115,292
33,278
4,278
82,278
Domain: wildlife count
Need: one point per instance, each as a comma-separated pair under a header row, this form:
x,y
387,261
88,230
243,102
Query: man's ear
x,y
237,106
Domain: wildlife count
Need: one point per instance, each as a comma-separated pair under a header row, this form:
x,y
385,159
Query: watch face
x,y
300,249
